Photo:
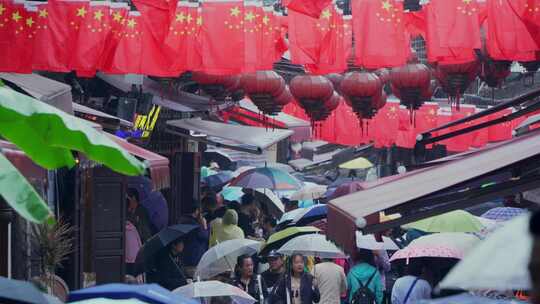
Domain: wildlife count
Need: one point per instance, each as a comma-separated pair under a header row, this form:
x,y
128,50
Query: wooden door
x,y
108,226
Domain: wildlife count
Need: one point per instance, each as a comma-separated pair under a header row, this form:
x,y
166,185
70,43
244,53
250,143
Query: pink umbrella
x,y
427,252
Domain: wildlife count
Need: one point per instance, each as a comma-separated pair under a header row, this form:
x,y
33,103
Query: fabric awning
x,y
52,92
249,139
23,163
345,212
157,165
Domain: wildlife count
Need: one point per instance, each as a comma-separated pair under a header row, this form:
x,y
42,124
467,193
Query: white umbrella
x,y
222,257
309,192
275,206
211,289
312,245
498,263
289,216
369,242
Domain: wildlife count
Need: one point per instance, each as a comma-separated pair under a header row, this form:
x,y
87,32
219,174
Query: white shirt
x,y
422,290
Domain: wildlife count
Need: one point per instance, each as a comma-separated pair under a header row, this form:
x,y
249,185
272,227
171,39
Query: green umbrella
x,y
455,221
48,135
20,195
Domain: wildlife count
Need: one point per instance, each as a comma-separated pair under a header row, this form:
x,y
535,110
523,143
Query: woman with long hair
x,y
296,287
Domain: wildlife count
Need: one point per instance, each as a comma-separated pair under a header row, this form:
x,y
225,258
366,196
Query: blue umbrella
x,y
157,208
149,293
466,298
142,184
232,194
502,214
219,179
313,213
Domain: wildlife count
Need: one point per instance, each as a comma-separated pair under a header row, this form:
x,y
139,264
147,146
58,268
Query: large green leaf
x,y
48,136
20,195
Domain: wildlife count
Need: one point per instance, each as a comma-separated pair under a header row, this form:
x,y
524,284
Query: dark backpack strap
x,y
410,291
368,281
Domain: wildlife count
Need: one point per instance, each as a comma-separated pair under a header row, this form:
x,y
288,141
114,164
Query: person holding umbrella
x,y
296,287
246,280
169,272
412,287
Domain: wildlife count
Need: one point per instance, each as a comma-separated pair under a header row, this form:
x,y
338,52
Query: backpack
x,y
364,295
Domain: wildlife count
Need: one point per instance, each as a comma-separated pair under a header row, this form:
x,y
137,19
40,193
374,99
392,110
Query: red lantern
x,y
362,91
336,79
411,83
456,78
217,86
263,87
311,92
384,75
328,107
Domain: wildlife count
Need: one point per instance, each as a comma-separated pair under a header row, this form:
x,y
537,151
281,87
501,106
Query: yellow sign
x,y
146,123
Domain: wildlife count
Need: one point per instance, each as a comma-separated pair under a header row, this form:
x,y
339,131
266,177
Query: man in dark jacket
x,y
246,280
168,268
196,241
276,270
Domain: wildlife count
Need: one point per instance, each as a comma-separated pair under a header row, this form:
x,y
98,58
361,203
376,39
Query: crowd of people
x,y
365,278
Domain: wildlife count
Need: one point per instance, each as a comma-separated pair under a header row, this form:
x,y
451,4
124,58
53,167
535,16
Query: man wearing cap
x,y
276,270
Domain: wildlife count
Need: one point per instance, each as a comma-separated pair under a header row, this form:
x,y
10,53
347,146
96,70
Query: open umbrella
x,y
312,245
278,239
311,214
20,194
455,221
160,240
466,298
438,245
222,257
501,214
212,289
48,135
265,197
356,164
148,293
218,180
369,242
309,192
344,189
15,291
109,301
232,194
269,178
500,262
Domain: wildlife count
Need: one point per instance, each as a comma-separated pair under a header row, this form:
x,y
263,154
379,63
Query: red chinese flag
x,y
157,16
386,124
253,36
406,135
382,39
442,119
273,42
501,131
425,118
348,127
47,56
304,38
8,60
182,41
480,137
529,12
453,30
312,8
92,37
507,37
22,26
118,16
462,142
222,37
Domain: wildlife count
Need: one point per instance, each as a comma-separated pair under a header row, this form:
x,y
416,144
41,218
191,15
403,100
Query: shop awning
x,y
32,172
102,118
248,139
249,114
157,165
52,92
438,189
172,99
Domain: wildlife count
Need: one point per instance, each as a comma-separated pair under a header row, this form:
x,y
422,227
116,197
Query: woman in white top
x,y
411,288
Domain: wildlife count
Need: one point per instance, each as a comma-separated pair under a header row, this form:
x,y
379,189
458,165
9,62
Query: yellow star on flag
x,y
98,15
467,1
431,112
29,21
2,9
131,23
117,17
43,13
386,5
81,12
235,11
265,20
250,16
199,20
189,18
180,17
16,16
326,14
392,109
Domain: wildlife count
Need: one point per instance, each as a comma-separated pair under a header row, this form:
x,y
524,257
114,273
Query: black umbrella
x,y
20,292
159,241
